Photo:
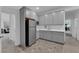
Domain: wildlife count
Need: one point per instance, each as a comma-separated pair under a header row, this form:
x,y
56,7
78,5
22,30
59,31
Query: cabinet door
x,y
55,18
62,17
37,34
44,34
49,35
41,35
46,21
49,21
59,18
58,37
41,20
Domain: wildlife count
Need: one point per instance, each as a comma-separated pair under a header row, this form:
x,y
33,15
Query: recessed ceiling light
x,y
46,15
37,8
62,11
53,13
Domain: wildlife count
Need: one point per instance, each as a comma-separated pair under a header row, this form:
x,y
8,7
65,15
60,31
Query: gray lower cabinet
x,y
37,34
44,35
41,34
52,36
49,35
58,36
56,18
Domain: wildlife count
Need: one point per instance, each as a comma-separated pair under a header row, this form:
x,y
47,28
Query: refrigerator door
x,y
32,35
32,23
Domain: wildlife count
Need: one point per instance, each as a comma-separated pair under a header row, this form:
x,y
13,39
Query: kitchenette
x,y
51,27
34,30
54,34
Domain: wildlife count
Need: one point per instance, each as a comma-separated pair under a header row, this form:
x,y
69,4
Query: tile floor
x,y
42,46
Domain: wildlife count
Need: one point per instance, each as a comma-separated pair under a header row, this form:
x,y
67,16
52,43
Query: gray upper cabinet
x,y
41,20
56,18
45,20
49,20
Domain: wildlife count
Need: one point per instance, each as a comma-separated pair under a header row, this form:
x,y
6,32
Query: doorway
x,y
71,28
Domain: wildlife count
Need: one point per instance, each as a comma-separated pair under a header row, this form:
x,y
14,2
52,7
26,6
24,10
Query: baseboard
x,y
52,41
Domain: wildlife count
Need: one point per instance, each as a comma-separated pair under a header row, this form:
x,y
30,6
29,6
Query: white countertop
x,y
57,30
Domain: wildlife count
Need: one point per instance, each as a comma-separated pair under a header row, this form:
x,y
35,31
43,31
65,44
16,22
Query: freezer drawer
x,y
32,35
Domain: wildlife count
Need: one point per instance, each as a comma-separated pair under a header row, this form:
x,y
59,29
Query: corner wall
x,y
16,36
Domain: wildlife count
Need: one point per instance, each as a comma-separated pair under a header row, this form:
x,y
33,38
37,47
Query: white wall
x,y
74,27
74,16
0,28
71,15
0,20
16,31
22,26
78,26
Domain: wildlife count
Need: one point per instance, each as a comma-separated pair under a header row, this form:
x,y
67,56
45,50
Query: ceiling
x,y
41,8
12,7
45,9
48,9
72,14
40,11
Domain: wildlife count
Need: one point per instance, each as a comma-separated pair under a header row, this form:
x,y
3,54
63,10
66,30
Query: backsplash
x,y
60,27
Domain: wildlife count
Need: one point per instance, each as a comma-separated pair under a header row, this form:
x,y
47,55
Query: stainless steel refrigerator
x,y
30,31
